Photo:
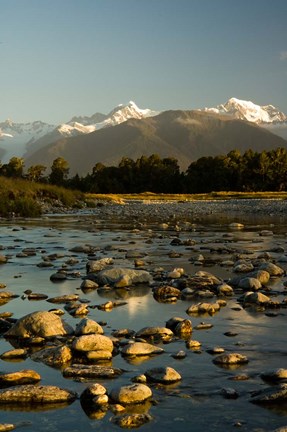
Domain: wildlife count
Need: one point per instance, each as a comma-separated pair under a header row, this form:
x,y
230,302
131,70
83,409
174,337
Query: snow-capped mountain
x,y
247,110
14,137
22,139
118,115
266,116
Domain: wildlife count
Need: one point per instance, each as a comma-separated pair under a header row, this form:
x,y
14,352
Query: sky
x,y
61,58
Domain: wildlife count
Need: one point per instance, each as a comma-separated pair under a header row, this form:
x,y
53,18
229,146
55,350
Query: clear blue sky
x,y
61,58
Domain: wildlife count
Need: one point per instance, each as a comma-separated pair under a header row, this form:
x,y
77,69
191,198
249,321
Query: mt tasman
x,y
145,131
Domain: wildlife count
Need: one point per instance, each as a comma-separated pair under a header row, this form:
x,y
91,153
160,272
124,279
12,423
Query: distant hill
x,y
185,135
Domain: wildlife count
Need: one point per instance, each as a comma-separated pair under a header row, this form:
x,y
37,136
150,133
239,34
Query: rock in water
x,y
131,394
39,324
32,394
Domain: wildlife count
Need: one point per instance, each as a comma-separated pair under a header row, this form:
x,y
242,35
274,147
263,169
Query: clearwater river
x,y
162,237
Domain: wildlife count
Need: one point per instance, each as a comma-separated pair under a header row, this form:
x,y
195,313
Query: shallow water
x,y
196,403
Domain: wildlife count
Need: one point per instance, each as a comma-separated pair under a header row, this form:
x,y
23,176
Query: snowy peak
x,y
122,113
119,114
21,139
247,110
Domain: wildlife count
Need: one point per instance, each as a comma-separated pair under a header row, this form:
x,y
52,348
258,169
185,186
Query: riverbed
x,y
191,236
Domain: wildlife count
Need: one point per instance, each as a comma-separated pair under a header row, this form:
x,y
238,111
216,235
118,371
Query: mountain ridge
x,y
184,135
23,140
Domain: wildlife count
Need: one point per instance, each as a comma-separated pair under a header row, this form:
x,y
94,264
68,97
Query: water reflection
x,y
198,396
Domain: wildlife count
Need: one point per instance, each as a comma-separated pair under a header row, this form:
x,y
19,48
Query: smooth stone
x,y
131,421
131,394
271,395
250,283
87,326
20,377
140,349
33,394
54,356
88,284
64,298
91,371
58,276
93,342
275,375
165,292
173,322
203,326
216,350
18,353
183,328
7,295
39,324
3,259
224,289
192,344
243,268
210,308
101,400
99,355
111,276
150,332
5,427
256,297
164,375
272,269
179,355
207,275
230,359
92,391
94,266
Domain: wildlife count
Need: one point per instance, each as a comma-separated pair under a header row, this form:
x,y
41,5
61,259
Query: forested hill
x,y
184,135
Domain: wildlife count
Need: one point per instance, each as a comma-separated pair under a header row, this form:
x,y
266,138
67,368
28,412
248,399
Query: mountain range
x,y
128,131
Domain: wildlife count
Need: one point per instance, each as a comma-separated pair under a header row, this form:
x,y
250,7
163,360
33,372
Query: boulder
x,y
140,349
250,283
21,377
92,391
93,342
64,298
163,375
94,266
111,276
87,326
162,333
5,427
91,371
33,394
272,269
272,395
166,292
88,284
276,375
256,298
131,394
131,421
224,289
39,324
54,356
230,359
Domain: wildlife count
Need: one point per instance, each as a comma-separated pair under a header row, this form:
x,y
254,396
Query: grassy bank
x,y
27,199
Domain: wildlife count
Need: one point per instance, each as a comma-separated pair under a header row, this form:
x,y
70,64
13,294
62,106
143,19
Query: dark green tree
x,y
59,172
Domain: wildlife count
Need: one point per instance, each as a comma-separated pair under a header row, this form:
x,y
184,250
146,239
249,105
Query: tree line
x,y
250,171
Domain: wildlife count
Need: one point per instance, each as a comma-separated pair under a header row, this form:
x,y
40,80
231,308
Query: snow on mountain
x,y
15,137
118,115
247,110
22,139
